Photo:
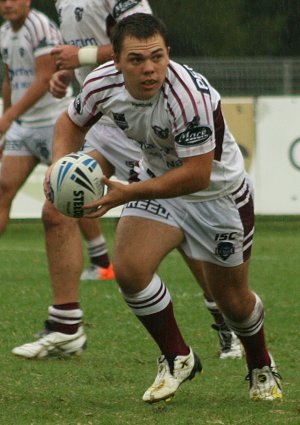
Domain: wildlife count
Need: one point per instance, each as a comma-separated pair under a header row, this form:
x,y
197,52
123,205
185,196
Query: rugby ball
x,y
75,180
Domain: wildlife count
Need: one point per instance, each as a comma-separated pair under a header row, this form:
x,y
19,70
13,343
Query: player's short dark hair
x,y
138,25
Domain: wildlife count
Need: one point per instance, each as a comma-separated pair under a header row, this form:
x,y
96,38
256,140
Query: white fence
x,y
268,132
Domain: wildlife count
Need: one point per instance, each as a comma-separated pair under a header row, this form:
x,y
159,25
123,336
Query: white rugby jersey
x,y
183,119
83,22
19,49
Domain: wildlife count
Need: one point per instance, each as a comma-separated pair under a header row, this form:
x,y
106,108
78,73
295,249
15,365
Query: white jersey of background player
x,y
19,50
180,121
83,23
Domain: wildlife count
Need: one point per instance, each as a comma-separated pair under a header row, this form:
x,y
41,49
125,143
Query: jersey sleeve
x,y
85,109
191,113
44,34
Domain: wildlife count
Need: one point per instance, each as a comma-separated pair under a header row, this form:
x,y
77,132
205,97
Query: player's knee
x,y
238,309
252,323
51,217
130,274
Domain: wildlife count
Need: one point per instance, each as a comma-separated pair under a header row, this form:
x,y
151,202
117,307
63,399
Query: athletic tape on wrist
x,y
88,55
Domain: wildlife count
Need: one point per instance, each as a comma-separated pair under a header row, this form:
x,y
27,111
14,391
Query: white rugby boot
x,y
265,383
53,344
171,374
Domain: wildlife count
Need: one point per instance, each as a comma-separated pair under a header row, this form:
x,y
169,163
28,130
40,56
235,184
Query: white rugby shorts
x,y
113,144
32,141
219,231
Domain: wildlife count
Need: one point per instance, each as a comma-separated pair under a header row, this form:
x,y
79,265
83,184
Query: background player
x,y
29,111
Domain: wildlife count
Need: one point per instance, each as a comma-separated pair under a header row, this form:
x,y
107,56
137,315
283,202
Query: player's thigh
x,y
196,267
14,172
140,246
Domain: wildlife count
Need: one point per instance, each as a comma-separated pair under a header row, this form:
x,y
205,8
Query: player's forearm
x,y
94,55
179,181
68,137
6,95
104,53
6,91
34,93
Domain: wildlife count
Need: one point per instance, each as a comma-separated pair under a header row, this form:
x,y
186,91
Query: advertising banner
x,y
267,130
277,160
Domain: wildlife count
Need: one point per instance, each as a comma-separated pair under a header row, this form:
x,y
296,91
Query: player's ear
x,y
116,61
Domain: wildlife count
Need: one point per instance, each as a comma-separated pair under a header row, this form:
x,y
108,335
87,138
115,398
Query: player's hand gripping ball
x,y
75,180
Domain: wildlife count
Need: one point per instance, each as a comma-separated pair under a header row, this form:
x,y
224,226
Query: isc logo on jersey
x,y
75,180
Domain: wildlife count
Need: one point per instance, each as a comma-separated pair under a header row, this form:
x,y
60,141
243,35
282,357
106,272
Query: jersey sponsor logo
x,y
224,250
20,72
151,207
141,105
78,12
225,236
120,121
198,80
194,134
82,42
78,104
124,5
162,133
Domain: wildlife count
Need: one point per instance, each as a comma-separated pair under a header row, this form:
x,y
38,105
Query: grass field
x,y
104,386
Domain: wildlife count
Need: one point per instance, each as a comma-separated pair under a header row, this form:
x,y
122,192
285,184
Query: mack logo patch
x,y
224,250
78,104
124,5
194,134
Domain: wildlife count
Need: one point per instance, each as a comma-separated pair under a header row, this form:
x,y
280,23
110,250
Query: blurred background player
x,y
29,111
85,27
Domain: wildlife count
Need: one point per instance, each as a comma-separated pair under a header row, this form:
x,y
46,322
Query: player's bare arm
x,y
71,57
6,90
192,176
45,66
68,137
59,83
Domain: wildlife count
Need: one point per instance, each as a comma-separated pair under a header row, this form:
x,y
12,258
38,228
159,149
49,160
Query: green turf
x,y
104,386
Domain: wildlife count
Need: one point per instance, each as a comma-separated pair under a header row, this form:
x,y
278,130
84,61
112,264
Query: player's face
x,y
15,11
144,65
